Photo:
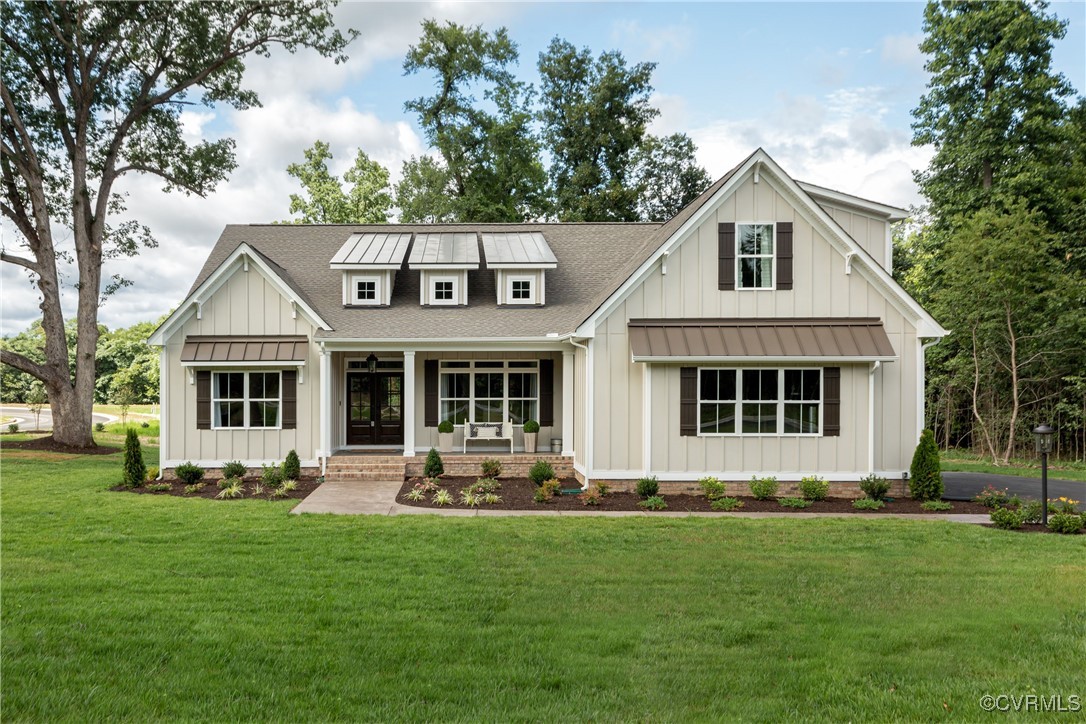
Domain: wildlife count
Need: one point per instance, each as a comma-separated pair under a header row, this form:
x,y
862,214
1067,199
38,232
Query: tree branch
x,y
19,261
25,364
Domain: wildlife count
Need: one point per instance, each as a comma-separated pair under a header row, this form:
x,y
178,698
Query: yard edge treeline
x,y
998,252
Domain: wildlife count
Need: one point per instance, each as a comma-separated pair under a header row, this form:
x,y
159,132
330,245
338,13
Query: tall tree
x,y
92,92
668,176
424,193
325,201
491,158
595,112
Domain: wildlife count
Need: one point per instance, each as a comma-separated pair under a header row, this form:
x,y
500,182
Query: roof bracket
x,y
848,262
245,262
293,309
192,376
663,265
199,309
757,172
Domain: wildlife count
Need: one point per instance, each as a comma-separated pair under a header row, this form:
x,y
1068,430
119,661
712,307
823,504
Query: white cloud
x,y
652,44
903,50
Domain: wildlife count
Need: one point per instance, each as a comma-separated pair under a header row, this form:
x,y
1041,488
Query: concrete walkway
x,y
379,498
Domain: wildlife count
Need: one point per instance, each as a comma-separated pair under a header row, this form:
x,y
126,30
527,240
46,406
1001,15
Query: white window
x,y
520,290
489,391
443,290
365,290
754,257
759,401
245,399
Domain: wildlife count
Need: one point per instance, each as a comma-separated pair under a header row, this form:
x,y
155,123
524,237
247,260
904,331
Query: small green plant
x,y
99,427
257,488
234,490
271,476
590,497
540,472
433,468
648,487
491,498
603,488
1066,523
763,488
531,426
936,506
868,504
194,488
227,482
152,473
925,475
415,495
1062,505
445,426
713,488
993,497
292,466
654,502
443,497
13,428
234,469
813,487
469,498
427,485
794,502
491,468
875,487
145,424
158,487
288,485
540,496
1007,518
726,504
135,472
189,473
1032,511
552,487
279,492
485,485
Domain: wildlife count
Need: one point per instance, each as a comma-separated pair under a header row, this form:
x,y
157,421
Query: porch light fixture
x,y
372,362
1042,435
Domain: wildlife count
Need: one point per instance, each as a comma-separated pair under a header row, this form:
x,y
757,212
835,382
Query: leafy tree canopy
x,y
325,202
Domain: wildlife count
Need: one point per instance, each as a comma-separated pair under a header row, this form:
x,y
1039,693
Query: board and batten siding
x,y
870,232
689,289
246,304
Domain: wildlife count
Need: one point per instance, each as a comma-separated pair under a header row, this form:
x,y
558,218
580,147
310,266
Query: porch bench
x,y
486,431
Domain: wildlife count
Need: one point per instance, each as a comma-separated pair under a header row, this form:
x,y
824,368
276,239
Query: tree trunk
x,y
976,407
1015,403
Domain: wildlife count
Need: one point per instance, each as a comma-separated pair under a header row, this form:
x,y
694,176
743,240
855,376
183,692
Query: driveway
x,y
964,486
26,419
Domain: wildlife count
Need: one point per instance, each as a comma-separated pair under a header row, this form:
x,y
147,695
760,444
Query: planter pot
x,y
529,441
445,442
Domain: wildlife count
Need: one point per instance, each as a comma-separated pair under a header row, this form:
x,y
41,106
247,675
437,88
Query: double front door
x,y
375,408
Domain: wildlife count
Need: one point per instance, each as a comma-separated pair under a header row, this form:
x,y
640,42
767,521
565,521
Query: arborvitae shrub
x,y
925,477
434,467
135,472
540,471
292,466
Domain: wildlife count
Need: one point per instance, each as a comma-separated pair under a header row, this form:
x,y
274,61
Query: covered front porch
x,y
388,400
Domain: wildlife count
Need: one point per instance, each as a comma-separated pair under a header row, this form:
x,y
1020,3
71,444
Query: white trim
x,y
646,418
510,280
408,392
245,400
568,364
590,413
871,415
737,476
921,373
277,364
366,267
352,288
163,394
217,278
453,344
890,213
431,288
889,249
780,402
446,267
325,407
527,266
250,463
794,360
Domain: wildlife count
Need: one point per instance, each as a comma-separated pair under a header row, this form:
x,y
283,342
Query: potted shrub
x,y
445,436
531,432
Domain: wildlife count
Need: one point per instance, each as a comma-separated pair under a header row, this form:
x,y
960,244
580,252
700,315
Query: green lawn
x,y
119,606
966,461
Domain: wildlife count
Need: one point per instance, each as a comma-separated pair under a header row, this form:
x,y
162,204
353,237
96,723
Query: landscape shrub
x,y
443,497
590,496
1065,523
653,502
189,473
726,504
763,488
552,488
135,472
540,472
271,475
992,497
445,426
234,469
145,424
713,488
99,427
158,487
288,485
491,498
257,488
234,490
292,466
925,476
416,495
648,487
13,428
868,504
482,486
813,487
227,482
1007,518
935,506
540,496
469,498
1062,505
194,488
604,488
434,467
1032,511
875,487
491,468
794,502
531,426
152,473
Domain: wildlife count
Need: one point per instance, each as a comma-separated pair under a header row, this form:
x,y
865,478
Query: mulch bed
x,y
517,494
48,444
211,489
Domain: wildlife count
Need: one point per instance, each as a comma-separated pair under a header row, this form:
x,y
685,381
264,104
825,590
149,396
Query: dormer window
x,y
444,290
519,260
366,290
443,261
521,290
369,263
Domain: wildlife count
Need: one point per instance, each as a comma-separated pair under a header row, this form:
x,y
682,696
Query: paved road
x,y
964,486
26,418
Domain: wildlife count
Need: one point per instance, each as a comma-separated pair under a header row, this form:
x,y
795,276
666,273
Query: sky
x,y
825,88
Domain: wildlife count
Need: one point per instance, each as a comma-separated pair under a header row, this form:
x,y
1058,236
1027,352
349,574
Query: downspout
x,y
588,408
871,417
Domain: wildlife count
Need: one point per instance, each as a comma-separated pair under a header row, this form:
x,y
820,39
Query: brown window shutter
x,y
831,402
784,255
290,399
430,382
546,392
203,400
726,253
688,401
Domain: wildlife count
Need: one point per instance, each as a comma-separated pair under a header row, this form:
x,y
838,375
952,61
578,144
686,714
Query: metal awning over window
x,y
796,340
259,351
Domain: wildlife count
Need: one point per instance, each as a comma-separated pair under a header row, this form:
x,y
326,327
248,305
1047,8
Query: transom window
x,y
755,256
489,391
759,401
245,399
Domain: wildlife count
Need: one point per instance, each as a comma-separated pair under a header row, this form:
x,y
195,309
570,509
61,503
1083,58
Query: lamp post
x,y
1043,436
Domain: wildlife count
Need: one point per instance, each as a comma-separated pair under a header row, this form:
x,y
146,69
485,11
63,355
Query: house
x,y
759,332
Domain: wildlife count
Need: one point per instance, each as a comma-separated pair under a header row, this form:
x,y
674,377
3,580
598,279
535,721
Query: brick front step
x,y
353,466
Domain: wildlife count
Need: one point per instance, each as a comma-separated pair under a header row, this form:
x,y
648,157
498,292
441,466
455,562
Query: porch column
x,y
326,408
567,402
409,403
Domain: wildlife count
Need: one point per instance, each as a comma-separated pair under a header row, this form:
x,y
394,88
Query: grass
x,y
152,429
966,461
137,607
